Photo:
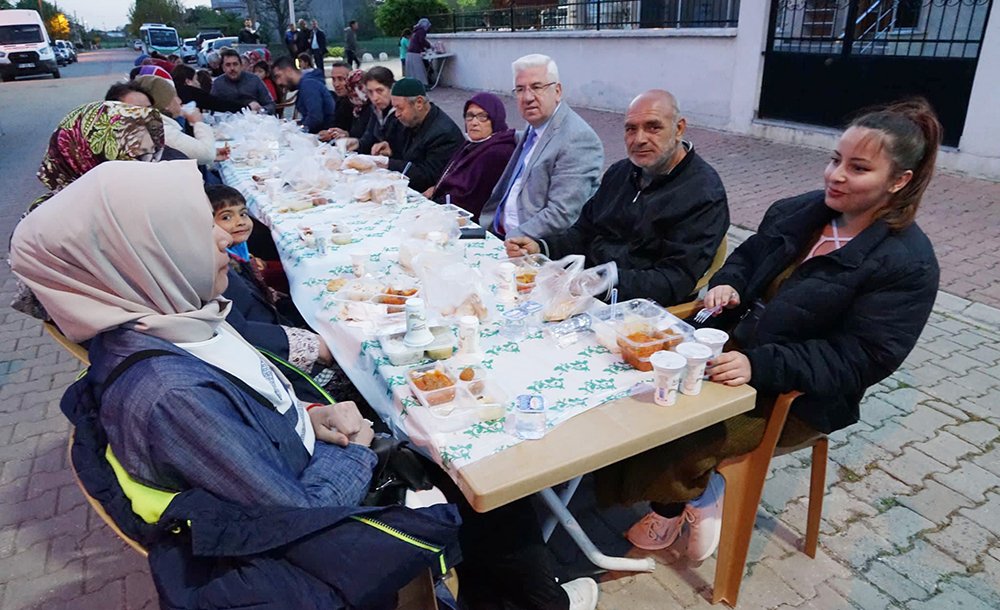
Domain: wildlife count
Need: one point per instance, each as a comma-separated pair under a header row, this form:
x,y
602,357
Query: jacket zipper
x,y
300,372
388,529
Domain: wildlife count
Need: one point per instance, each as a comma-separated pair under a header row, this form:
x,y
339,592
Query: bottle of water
x,y
529,416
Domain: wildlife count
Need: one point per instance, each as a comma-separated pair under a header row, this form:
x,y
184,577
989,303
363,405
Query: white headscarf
x,y
127,244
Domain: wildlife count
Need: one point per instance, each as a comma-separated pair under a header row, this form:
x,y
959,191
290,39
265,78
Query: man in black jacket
x,y
430,139
317,45
659,215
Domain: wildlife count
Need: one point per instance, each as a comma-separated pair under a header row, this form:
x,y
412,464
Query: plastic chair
x,y
75,349
686,310
94,504
744,477
287,102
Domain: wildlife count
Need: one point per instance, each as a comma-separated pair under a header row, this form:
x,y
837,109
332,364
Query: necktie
x,y
529,141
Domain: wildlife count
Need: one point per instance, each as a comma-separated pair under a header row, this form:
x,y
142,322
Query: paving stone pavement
x,y
912,511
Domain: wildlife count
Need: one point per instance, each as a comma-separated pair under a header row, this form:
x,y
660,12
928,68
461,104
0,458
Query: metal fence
x,y
914,28
594,15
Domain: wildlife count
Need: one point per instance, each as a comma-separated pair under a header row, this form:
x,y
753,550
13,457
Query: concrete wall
x,y
606,70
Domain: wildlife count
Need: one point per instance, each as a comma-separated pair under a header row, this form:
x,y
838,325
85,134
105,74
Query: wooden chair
x,y
73,348
690,308
744,477
287,102
94,504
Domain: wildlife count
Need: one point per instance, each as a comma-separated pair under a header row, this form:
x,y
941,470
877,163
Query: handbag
x,y
398,468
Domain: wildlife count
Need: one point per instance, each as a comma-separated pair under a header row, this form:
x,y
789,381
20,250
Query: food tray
x,y
459,405
442,348
641,327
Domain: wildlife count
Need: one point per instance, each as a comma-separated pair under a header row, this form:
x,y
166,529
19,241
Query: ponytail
x,y
911,135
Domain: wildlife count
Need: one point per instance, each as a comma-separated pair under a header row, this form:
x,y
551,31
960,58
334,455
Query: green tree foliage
x,y
56,21
392,16
168,12
201,18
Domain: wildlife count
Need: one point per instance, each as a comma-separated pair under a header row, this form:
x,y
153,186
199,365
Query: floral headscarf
x,y
95,133
356,91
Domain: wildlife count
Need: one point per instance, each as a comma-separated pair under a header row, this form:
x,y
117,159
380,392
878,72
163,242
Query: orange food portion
x,y
467,374
639,346
431,380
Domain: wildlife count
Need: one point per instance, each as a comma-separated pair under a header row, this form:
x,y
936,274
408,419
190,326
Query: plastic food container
x,y
436,384
457,406
526,268
642,328
399,354
462,217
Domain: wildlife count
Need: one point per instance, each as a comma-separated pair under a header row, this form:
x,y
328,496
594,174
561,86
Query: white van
x,y
25,47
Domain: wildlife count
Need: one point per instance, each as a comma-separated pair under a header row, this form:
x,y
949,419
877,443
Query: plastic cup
x,y
713,338
359,263
342,146
668,368
697,356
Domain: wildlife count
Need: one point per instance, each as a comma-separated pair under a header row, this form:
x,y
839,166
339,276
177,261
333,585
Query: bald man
x,y
659,215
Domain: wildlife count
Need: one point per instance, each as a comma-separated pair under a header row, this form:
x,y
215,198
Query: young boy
x,y
230,210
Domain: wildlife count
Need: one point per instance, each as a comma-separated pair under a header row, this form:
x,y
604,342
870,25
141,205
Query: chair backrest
x,y
77,350
720,258
94,504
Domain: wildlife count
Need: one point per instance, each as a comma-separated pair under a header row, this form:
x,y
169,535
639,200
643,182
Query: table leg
x,y
440,69
572,527
564,497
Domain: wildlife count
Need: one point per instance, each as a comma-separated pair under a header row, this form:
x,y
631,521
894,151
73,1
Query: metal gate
x,y
828,59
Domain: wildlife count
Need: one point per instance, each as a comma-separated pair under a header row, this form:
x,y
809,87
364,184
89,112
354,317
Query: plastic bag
x,y
565,288
452,288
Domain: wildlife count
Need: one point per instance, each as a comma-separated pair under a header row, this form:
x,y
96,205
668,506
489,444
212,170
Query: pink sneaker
x,y
704,518
654,532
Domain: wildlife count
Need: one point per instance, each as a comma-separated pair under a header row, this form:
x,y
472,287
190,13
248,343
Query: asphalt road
x,y
30,108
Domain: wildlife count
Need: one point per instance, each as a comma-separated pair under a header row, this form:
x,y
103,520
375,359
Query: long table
x,y
602,410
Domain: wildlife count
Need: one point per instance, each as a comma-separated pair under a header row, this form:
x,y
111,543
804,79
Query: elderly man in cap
x,y
556,165
430,137
659,215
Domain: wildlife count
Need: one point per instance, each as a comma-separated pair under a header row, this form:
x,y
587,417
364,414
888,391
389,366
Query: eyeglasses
x,y
535,89
482,117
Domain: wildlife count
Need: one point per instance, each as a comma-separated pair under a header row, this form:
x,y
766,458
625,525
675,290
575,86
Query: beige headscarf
x,y
127,244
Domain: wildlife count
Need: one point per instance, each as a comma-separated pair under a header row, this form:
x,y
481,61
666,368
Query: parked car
x,y
137,45
25,47
189,51
207,35
214,45
70,50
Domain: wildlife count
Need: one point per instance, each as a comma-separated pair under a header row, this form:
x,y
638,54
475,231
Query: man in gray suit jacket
x,y
557,163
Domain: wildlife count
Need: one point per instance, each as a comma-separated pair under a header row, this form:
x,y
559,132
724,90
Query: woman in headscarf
x,y
201,145
472,173
414,51
95,133
177,400
182,403
86,137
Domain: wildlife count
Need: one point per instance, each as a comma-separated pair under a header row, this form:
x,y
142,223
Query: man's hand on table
x,y
255,106
521,246
341,424
382,148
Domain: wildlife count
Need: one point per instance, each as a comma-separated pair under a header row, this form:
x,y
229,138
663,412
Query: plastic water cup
x,y
668,368
697,356
714,338
359,263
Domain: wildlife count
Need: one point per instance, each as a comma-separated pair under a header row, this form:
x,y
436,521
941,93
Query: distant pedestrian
x,y
404,43
302,36
351,44
415,67
248,35
317,44
290,40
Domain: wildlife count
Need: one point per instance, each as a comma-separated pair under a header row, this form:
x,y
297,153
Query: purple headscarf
x,y
493,107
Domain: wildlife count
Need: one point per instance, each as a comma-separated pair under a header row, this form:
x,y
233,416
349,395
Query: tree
x,y
168,12
275,14
395,15
56,22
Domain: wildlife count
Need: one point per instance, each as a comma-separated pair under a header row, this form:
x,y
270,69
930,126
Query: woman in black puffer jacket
x,y
828,298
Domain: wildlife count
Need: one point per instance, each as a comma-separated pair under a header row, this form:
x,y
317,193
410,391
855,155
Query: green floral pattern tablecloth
x,y
571,379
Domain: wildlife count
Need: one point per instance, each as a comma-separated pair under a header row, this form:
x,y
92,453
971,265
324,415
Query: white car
x,y
214,45
69,49
189,51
